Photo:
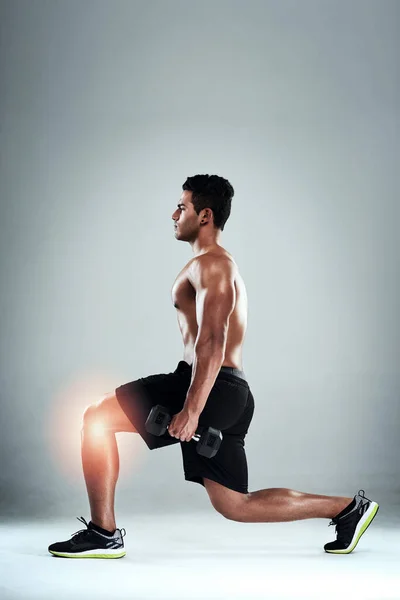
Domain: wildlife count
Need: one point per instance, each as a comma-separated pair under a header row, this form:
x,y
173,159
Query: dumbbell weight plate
x,y
158,420
209,443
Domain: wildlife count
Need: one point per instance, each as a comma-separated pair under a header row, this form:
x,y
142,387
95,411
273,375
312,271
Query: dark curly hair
x,y
211,191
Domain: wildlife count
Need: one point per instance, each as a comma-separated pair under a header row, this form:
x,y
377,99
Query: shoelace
x,y
81,532
345,525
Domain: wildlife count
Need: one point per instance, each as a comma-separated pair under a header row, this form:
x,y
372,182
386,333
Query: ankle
x,y
341,505
104,527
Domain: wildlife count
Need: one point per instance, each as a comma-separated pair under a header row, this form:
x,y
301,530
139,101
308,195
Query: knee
x,y
232,511
90,416
94,423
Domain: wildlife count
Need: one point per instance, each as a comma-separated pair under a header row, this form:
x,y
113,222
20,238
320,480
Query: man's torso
x,y
184,300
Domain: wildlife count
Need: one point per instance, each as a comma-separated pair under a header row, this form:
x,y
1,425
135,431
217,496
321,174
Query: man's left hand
x,y
183,426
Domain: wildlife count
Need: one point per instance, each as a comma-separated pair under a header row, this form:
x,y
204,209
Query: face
x,y
186,220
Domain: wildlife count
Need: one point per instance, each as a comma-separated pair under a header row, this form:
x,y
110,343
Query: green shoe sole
x,y
66,555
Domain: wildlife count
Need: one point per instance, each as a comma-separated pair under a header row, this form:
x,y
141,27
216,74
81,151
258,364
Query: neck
x,y
205,244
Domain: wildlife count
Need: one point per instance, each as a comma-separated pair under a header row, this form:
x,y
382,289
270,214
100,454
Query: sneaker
x,y
89,543
351,525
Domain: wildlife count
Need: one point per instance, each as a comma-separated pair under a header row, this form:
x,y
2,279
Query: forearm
x,y
207,361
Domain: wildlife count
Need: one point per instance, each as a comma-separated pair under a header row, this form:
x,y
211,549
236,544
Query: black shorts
x,y
229,408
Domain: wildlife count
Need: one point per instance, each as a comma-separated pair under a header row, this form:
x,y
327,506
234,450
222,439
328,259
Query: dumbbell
x,y
208,439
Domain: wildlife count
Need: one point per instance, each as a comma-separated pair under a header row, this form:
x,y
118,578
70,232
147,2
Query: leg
x,y
273,505
281,504
100,459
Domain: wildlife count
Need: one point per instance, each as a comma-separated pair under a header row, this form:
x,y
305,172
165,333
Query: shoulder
x,y
211,266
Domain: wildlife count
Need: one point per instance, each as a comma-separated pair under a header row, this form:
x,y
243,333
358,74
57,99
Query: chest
x,y
182,293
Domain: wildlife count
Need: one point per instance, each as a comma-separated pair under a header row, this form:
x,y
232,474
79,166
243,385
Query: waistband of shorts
x,y
234,371
183,366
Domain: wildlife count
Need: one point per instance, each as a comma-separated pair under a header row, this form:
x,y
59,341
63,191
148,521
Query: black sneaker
x,y
352,524
89,543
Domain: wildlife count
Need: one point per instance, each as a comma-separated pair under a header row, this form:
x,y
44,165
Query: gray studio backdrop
x,y
106,108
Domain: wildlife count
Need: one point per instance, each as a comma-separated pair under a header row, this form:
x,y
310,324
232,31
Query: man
x,y
207,388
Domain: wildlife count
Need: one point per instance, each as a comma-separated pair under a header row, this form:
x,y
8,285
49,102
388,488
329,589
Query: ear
x,y
207,215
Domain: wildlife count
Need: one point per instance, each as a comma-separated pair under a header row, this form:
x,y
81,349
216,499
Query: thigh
x,y
228,467
138,397
229,408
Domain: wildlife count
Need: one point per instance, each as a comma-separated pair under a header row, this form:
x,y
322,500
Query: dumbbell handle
x,y
194,437
208,438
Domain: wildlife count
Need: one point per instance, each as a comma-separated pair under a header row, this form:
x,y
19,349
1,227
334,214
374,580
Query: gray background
x,y
106,108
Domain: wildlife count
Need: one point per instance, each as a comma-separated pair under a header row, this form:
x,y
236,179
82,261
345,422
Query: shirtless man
x,y
207,388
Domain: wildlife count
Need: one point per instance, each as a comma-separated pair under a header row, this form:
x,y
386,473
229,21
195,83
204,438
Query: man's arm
x,y
213,280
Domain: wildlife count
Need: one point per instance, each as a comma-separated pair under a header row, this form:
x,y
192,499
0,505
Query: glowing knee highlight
x,y
97,429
